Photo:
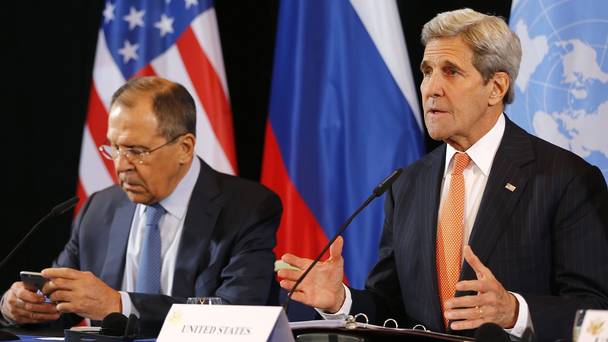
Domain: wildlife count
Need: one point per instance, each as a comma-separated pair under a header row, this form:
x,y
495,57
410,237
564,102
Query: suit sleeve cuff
x,y
127,305
5,321
344,310
523,318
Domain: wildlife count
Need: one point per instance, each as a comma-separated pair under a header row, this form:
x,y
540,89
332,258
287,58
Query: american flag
x,y
174,39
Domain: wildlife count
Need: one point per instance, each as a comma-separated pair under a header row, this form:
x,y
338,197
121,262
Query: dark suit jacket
x,y
225,249
547,240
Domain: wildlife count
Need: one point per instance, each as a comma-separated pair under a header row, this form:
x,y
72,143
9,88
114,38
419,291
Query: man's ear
x,y
500,85
186,148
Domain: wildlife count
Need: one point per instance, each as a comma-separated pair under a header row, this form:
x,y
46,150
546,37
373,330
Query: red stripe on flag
x,y
145,71
299,232
97,121
209,90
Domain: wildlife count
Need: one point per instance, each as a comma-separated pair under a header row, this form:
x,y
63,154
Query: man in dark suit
x,y
173,228
494,226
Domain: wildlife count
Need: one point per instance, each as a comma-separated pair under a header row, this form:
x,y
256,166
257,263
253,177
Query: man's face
x,y
456,100
159,172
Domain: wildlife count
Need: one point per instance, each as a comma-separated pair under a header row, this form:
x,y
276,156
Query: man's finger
x,y
335,250
62,296
287,284
301,263
45,317
24,316
41,308
28,296
474,262
58,284
67,307
61,272
464,302
289,274
472,285
464,314
468,324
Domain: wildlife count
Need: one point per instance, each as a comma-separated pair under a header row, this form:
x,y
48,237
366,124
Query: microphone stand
x,y
56,211
378,191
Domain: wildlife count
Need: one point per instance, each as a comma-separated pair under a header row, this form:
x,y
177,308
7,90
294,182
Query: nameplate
x,y
225,323
594,327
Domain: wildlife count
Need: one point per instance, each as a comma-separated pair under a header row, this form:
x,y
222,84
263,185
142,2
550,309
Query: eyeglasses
x,y
132,154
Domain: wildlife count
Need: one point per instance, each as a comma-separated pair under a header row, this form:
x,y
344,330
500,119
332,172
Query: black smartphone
x,y
33,281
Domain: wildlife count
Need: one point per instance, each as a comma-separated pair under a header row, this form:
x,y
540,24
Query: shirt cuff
x,y
5,320
523,318
127,306
344,310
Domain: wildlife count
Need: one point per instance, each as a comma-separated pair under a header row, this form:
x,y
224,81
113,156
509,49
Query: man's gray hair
x,y
495,47
171,102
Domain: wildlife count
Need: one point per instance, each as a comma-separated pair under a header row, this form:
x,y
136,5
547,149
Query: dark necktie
x,y
148,273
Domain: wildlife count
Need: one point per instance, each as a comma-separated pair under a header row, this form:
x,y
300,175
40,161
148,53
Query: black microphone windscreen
x,y
64,206
490,332
114,324
387,182
132,327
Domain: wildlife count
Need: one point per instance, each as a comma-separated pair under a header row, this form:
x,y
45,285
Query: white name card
x,y
594,327
187,322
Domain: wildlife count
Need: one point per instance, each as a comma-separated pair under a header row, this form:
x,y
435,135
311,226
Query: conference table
x,y
372,335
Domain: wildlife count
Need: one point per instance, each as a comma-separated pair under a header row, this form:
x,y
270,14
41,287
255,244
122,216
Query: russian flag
x,y
343,114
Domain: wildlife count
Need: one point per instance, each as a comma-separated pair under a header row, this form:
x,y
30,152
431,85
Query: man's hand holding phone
x,y
24,304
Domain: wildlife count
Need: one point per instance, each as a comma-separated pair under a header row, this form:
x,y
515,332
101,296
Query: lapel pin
x,y
510,187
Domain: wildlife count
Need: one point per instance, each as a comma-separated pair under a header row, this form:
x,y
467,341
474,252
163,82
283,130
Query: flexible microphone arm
x,y
378,191
56,211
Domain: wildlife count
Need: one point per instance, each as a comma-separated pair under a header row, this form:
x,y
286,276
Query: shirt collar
x,y
176,204
483,151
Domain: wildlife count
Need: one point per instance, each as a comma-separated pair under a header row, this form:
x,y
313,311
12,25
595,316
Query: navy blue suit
x,y
547,240
225,249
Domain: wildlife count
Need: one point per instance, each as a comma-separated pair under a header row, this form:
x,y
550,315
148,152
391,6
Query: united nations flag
x,y
560,93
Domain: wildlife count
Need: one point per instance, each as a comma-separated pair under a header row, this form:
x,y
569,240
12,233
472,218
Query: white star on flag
x,y
128,51
190,3
135,18
165,25
108,12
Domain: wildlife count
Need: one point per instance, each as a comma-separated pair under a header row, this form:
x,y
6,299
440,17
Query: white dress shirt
x,y
171,226
475,177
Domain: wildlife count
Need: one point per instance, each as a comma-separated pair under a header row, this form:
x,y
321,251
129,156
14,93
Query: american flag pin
x,y
510,187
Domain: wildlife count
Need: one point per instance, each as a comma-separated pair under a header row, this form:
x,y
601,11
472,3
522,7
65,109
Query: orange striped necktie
x,y
450,231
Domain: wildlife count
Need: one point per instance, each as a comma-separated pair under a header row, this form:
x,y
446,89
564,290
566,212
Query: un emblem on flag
x,y
560,91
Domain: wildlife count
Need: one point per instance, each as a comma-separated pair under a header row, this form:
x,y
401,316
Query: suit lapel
x,y
431,184
500,198
198,227
114,266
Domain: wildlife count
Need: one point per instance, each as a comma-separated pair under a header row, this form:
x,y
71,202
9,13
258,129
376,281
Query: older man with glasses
x,y
172,228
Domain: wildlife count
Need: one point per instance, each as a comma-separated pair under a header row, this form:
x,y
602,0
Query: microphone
x,y
64,206
378,191
56,211
132,327
114,327
490,332
114,324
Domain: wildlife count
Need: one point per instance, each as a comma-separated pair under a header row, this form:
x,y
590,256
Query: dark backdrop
x,y
48,51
